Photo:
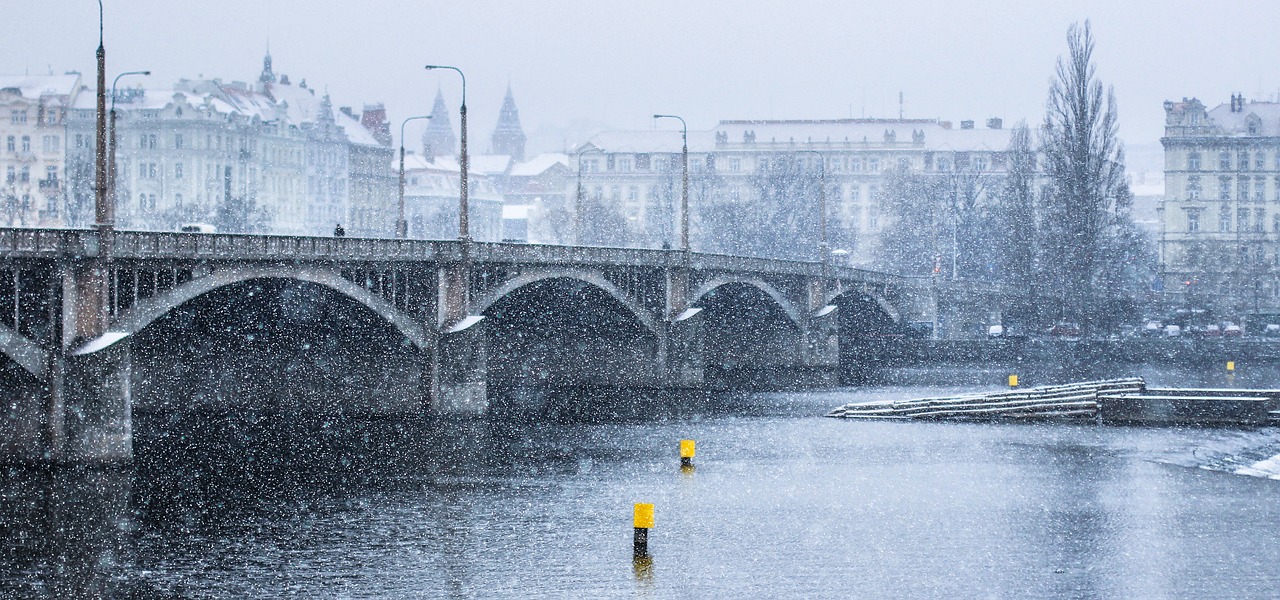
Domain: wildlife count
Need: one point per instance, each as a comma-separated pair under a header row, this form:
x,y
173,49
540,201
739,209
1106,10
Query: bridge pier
x,y
460,370
94,398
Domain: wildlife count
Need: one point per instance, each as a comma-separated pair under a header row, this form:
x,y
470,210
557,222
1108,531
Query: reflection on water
x,y
538,501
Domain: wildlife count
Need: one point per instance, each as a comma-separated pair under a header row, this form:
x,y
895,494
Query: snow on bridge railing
x,y
16,242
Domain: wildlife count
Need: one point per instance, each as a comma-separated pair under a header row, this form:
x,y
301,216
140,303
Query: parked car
x,y
1172,331
1211,331
995,331
1232,330
1272,330
197,228
1152,329
1065,330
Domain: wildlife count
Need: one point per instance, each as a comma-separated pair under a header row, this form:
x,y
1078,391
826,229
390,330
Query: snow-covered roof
x,y
832,134
516,211
1265,115
490,164
539,164
34,86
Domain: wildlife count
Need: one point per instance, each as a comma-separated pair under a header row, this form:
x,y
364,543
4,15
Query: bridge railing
x,y
128,244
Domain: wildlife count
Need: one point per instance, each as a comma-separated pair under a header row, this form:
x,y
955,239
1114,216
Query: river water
x,y
538,502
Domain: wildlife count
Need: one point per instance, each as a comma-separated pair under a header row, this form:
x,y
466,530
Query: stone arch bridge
x,y
476,315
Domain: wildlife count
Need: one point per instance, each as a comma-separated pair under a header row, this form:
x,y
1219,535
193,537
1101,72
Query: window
x,y
1193,161
1193,220
50,143
142,202
1259,217
11,144
1224,161
735,165
51,173
1242,188
1224,217
177,141
26,143
142,142
1242,161
855,164
944,164
177,171
1259,189
26,175
151,170
1275,223
80,140
1193,187
177,199
873,165
624,165
1260,161
1224,188
633,193
151,141
18,117
11,174
855,192
980,163
1242,219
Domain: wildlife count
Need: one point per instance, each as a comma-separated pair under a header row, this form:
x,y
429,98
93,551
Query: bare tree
x,y
1085,167
1016,240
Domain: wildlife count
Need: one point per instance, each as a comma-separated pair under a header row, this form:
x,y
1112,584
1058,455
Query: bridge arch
x,y
150,309
594,279
26,353
868,296
786,306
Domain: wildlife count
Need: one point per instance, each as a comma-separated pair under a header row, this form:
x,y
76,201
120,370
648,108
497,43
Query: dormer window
x,y
1253,124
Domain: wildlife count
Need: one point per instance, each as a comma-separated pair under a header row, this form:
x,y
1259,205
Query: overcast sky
x,y
574,65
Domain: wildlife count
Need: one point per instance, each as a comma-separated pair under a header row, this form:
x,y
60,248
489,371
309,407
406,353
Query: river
x,y
537,502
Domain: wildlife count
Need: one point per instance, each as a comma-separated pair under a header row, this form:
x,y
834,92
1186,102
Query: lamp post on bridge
x,y
464,233
684,181
111,150
402,226
824,251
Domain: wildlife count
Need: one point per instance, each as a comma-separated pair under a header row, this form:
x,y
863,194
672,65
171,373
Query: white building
x,y
1220,221
33,112
206,150
638,172
431,200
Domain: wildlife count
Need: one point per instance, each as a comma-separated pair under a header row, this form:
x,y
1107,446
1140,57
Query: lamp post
x,y
402,226
684,181
463,231
823,249
102,213
111,150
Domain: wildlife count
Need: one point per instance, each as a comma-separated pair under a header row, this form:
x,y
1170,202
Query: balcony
x,y
50,186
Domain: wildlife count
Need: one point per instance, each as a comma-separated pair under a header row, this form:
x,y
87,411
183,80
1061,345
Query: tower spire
x,y
508,136
438,139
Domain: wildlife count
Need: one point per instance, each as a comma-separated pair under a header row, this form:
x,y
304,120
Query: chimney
x,y
967,124
995,123
374,118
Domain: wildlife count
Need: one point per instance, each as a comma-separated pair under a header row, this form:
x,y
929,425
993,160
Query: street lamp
x,y
102,213
823,250
463,232
684,181
111,152
402,226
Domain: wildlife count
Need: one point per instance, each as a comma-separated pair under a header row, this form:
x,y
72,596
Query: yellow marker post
x,y
687,450
643,522
1231,366
1013,381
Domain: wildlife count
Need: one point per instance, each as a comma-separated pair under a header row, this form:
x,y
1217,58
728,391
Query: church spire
x,y
508,136
439,140
267,76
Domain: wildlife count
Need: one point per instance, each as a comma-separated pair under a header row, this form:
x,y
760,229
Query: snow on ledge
x,y
824,311
466,323
688,314
100,343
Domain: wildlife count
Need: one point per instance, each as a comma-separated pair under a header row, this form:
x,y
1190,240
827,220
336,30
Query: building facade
x,y
269,156
1220,220
33,117
638,172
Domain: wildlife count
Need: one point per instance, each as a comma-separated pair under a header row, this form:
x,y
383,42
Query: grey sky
x,y
616,63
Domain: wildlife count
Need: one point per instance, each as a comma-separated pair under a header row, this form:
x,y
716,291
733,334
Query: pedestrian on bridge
x,y
338,231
